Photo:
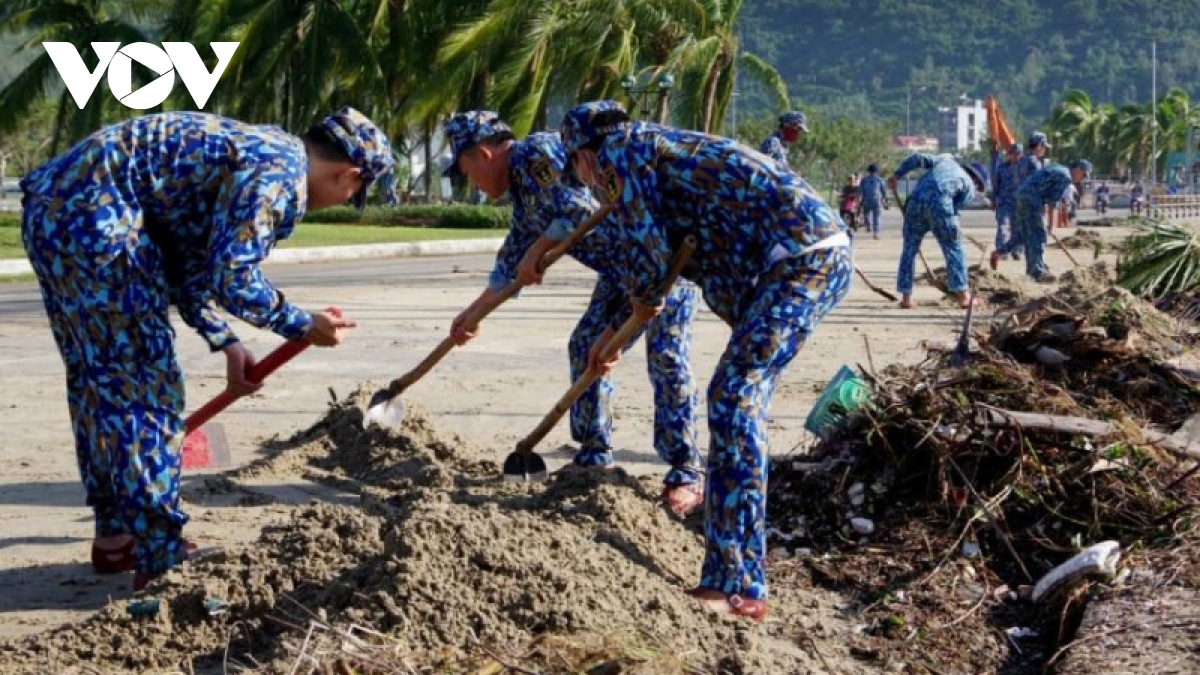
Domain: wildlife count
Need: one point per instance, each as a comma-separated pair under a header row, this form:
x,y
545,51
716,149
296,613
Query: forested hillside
x,y
860,56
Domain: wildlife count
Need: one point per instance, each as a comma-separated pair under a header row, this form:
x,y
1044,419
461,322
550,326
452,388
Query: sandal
x,y
684,499
114,560
716,601
141,580
994,260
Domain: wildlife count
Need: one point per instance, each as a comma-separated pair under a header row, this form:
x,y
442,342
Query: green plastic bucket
x,y
844,394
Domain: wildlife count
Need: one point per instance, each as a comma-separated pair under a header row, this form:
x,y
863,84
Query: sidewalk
x,y
329,253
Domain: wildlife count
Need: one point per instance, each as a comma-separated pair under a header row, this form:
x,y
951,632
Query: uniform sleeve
x,y
197,312
565,208
915,161
248,213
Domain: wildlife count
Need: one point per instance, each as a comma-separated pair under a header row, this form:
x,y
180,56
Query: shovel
x,y
962,350
523,464
204,445
387,410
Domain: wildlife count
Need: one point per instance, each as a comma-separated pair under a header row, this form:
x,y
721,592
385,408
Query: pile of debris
x,y
993,287
949,497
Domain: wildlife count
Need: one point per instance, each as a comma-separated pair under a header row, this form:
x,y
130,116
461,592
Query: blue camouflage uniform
x,y
547,203
1050,186
933,205
176,208
774,146
1030,163
874,195
1004,197
772,260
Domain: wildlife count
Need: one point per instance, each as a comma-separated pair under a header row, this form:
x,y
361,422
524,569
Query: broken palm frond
x,y
1164,257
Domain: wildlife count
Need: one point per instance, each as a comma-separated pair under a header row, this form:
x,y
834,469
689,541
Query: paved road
x,y
22,299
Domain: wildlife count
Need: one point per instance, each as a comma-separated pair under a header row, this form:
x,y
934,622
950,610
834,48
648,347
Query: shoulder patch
x,y
542,172
612,185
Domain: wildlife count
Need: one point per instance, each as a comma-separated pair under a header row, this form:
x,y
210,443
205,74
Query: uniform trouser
x,y
872,215
668,344
779,314
920,219
124,387
1033,232
1008,238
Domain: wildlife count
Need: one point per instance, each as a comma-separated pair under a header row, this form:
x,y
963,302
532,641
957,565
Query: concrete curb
x,y
332,253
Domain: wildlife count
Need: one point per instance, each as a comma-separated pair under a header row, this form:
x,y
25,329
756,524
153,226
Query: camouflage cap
x,y
976,172
1038,138
464,130
1083,164
579,125
794,118
364,143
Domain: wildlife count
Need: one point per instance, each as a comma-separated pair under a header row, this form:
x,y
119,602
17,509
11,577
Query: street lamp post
x,y
908,110
645,98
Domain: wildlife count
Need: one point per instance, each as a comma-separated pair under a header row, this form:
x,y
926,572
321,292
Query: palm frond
x,y
1164,257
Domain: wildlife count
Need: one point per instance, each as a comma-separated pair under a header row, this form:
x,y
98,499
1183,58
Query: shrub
x,y
464,216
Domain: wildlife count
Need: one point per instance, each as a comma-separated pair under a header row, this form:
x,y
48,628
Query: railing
x,y
1174,207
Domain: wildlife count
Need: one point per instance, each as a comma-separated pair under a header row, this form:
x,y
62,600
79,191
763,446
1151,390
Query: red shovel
x,y
204,445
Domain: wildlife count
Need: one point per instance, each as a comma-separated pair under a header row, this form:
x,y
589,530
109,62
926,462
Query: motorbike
x,y
1102,204
849,209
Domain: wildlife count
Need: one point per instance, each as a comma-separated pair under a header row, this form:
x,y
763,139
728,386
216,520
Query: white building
x,y
963,127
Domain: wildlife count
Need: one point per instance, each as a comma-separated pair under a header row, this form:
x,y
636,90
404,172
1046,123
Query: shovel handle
x,y
400,384
623,335
256,373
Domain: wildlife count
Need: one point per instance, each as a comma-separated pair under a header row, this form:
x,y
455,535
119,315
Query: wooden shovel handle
x,y
618,341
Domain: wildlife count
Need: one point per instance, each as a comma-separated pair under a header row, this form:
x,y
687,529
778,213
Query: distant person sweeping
x,y
874,198
933,206
1047,192
182,209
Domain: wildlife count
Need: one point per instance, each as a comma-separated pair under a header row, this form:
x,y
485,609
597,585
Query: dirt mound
x,y
1085,239
995,288
442,556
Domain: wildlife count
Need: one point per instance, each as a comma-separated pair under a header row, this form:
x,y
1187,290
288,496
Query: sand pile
x,y
442,556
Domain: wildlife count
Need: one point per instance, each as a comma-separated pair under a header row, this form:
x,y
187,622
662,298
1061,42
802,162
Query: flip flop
x,y
115,560
736,605
684,499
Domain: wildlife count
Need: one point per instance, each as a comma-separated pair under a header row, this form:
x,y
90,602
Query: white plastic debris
x,y
1049,356
1018,633
1101,558
857,494
862,525
970,549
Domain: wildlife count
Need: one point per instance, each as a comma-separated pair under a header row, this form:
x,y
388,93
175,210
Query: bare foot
x,y
994,260
907,303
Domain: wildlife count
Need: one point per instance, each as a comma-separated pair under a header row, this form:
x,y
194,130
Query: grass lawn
x,y
311,234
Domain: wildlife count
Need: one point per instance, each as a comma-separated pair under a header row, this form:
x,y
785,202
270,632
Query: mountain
x,y
860,57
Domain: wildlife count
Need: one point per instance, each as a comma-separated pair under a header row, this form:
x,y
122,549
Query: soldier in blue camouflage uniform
x,y
792,127
1054,187
772,260
1034,157
874,198
546,208
933,206
1004,202
177,208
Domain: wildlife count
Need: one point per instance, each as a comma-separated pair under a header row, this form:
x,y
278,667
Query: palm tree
x,y
79,22
296,60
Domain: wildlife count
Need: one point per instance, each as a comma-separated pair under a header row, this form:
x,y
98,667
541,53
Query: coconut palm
x,y
79,22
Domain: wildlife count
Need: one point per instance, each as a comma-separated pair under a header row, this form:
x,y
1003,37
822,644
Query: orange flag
x,y
998,130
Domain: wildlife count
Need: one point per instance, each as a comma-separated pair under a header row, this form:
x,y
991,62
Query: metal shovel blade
x,y
525,467
206,448
962,351
384,410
